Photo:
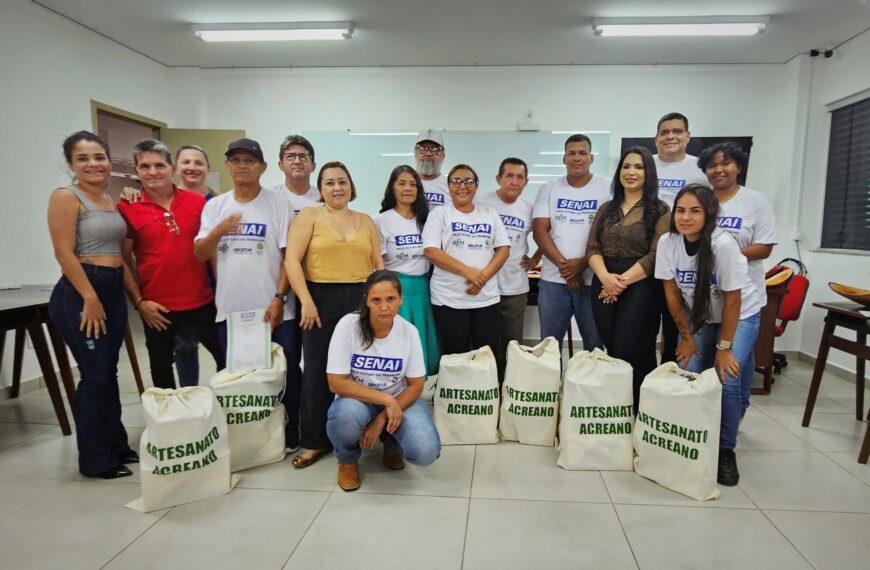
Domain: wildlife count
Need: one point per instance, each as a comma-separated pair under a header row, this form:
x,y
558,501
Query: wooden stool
x,y
844,315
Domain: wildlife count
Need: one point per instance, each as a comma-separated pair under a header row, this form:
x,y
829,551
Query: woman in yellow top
x,y
331,251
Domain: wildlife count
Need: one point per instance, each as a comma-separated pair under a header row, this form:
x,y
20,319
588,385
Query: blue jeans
x,y
416,438
556,304
284,334
742,348
187,356
101,437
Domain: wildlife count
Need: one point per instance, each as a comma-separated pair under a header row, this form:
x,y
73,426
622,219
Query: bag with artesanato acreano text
x,y
530,393
597,414
676,435
466,398
184,453
255,415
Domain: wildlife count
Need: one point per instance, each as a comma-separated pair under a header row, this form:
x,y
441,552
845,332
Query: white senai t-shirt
x,y
297,202
517,220
401,244
471,238
437,193
386,364
249,260
748,216
730,273
673,176
571,211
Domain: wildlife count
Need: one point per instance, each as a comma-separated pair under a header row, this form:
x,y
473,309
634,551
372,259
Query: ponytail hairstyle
x,y
365,326
700,310
420,207
649,199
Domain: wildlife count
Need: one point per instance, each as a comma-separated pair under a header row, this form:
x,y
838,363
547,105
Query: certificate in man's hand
x,y
248,341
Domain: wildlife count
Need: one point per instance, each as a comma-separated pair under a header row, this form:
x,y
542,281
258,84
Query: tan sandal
x,y
301,462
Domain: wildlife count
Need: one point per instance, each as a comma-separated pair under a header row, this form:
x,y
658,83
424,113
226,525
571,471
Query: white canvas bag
x,y
597,414
466,399
184,453
530,393
255,415
676,435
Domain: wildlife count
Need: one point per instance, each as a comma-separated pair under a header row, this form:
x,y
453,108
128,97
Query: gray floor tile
x,y
826,432
789,396
449,476
760,432
518,535
244,529
627,487
32,408
49,455
800,480
282,475
675,538
849,462
513,471
384,531
828,540
81,524
13,433
15,494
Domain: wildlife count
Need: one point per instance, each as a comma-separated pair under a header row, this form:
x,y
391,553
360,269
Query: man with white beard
x,y
429,155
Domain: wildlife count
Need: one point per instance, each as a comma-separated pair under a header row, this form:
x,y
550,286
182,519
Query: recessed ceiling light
x,y
273,31
677,27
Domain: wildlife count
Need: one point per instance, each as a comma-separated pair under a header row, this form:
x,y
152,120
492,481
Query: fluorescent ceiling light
x,y
548,165
677,27
580,131
273,31
383,134
397,154
559,152
545,175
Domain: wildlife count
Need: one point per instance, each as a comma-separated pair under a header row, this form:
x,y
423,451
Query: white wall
x,y
51,69
846,74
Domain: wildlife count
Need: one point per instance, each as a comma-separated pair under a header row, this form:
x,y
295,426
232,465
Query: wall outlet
x,y
797,234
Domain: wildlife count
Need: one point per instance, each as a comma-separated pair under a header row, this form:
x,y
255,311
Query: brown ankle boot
x,y
392,458
348,476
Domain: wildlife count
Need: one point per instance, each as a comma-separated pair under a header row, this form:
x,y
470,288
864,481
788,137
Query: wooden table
x,y
844,315
25,311
766,336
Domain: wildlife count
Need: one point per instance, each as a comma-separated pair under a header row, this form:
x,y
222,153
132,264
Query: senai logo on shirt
x,y
471,229
687,277
671,183
248,229
435,198
409,239
577,205
375,363
730,223
512,222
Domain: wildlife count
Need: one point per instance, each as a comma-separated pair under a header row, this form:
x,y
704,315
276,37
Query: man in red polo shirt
x,y
174,286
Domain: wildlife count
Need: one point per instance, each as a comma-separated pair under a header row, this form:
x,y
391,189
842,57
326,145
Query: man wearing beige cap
x,y
429,154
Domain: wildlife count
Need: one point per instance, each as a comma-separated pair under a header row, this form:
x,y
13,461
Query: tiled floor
x,y
803,502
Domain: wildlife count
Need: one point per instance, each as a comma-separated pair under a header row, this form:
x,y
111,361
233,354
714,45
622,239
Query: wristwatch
x,y
282,296
724,345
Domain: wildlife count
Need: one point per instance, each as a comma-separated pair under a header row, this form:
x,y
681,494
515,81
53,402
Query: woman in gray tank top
x,y
87,305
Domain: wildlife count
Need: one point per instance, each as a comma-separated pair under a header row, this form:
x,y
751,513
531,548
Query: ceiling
x,y
463,32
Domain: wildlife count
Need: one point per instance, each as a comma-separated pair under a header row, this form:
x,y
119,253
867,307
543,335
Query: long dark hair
x,y
419,207
70,142
365,325
652,208
701,303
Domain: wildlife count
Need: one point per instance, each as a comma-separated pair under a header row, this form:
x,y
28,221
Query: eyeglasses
x,y
169,220
247,161
292,156
457,182
428,149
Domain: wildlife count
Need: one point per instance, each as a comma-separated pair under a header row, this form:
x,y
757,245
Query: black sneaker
x,y
291,439
728,474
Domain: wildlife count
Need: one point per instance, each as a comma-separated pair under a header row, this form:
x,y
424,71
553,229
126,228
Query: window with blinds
x,y
846,223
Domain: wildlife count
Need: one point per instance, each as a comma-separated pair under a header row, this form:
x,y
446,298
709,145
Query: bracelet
x,y
139,302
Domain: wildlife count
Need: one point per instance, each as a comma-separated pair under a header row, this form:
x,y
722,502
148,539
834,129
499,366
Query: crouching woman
x,y
376,370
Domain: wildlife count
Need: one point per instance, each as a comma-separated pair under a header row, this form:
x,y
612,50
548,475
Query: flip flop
x,y
300,462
